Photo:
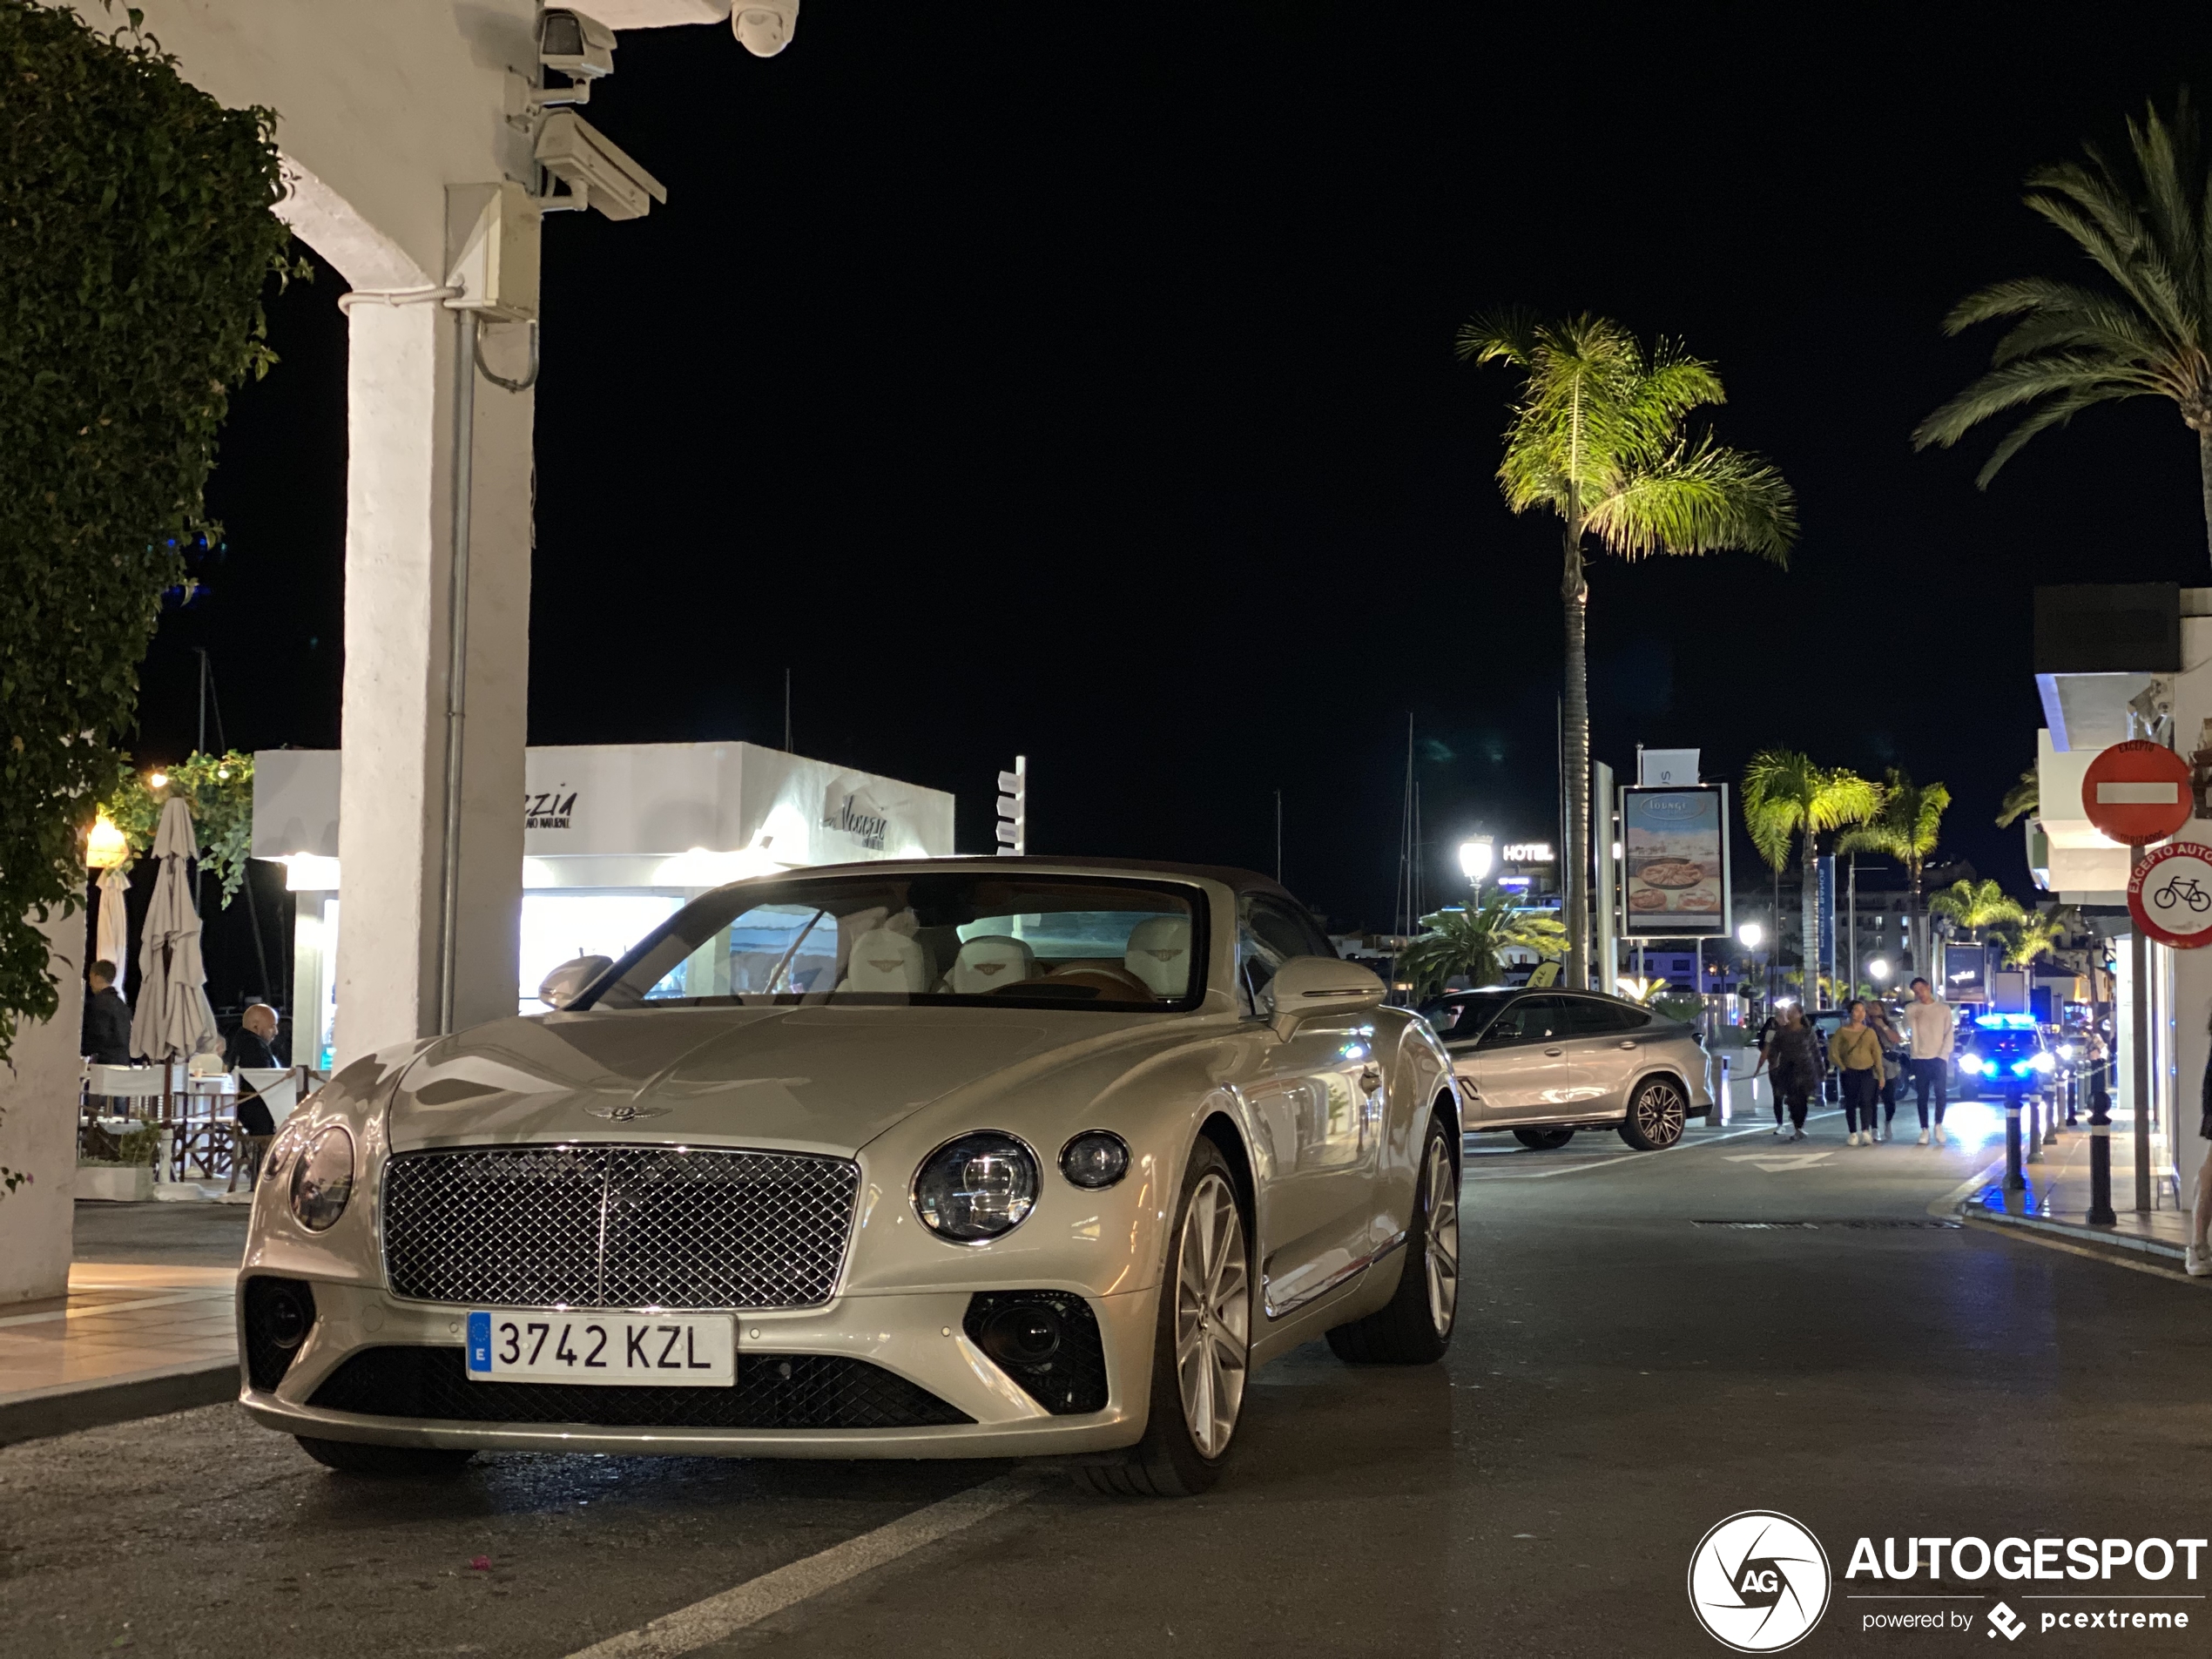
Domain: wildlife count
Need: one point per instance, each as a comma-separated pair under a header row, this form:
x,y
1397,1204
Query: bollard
x,y
2014,1181
2051,1118
2073,1094
2100,1210
2034,1130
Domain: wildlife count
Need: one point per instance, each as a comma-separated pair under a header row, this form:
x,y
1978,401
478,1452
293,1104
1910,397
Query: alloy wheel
x,y
1212,1315
1443,1252
1659,1114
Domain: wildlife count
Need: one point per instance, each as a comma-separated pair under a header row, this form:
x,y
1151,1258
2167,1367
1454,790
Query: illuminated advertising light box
x,y
1674,843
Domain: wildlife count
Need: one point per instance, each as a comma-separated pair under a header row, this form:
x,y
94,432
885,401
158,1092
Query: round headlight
x,y
1096,1158
2044,1062
323,1179
977,1188
1973,1065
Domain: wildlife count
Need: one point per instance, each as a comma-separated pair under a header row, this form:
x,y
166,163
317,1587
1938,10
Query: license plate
x,y
669,1351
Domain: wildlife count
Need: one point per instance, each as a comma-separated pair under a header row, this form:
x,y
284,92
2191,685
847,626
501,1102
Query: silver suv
x,y
1543,1063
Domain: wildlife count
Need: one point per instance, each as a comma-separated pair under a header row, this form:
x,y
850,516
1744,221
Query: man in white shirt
x,y
1930,1030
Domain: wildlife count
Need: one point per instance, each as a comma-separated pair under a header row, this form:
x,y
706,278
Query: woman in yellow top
x,y
1856,1049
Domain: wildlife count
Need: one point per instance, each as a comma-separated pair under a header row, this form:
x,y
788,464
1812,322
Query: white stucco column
x,y
38,1129
401,399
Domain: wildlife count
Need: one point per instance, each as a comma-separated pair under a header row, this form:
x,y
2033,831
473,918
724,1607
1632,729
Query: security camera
x,y
764,26
572,44
594,168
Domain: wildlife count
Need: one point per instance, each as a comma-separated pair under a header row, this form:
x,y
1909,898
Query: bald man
x,y
254,1044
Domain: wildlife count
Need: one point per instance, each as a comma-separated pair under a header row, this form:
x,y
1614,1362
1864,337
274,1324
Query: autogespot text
x,y
2077,1560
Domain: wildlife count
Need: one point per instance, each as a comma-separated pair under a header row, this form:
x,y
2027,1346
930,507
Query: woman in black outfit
x,y
1792,1054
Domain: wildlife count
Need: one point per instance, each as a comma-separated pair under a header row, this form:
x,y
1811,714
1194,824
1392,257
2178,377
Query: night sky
x,y
1079,381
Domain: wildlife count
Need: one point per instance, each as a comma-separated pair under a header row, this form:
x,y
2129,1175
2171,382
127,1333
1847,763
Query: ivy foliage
x,y
218,791
137,235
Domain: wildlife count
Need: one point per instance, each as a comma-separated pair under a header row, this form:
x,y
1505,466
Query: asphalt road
x,y
1623,1379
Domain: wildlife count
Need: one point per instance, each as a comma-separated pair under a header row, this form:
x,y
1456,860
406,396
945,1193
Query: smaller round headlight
x,y
977,1188
1096,1158
323,1179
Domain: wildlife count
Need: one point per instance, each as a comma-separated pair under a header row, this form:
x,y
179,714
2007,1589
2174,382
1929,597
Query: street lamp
x,y
1749,935
1878,967
1475,860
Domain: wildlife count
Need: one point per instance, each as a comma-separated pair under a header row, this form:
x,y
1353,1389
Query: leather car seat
x,y
988,961
1159,954
883,961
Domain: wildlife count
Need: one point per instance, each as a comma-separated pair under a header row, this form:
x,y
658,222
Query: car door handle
x,y
1555,1051
1371,1080
1628,1045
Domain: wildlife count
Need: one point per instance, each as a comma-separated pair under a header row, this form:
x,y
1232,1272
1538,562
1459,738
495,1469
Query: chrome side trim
x,y
1349,1271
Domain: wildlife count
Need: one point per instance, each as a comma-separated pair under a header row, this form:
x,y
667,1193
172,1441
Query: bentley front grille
x,y
617,1226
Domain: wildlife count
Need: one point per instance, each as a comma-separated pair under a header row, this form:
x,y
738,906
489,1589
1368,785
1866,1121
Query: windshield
x,y
1463,1016
958,937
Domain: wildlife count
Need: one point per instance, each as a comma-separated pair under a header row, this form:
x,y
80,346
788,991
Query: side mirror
x,y
570,979
1306,985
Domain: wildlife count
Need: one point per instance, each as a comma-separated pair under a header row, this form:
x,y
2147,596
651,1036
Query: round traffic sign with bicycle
x,y
2170,895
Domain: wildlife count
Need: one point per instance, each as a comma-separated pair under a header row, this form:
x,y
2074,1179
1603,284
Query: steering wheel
x,y
1116,983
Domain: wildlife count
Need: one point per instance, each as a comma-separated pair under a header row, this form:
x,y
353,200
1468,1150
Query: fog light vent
x,y
1048,1341
278,1314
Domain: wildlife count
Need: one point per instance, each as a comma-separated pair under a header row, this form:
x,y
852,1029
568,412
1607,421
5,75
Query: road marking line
x,y
1616,1160
694,1627
1772,1161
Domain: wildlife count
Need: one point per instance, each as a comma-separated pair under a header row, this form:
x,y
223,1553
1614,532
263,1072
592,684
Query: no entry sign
x,y
2137,792
2170,895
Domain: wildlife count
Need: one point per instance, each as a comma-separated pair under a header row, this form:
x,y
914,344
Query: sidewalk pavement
x,y
2056,1206
127,1341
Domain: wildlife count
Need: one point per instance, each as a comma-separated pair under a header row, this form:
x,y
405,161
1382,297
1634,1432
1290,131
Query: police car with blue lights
x,y
2002,1056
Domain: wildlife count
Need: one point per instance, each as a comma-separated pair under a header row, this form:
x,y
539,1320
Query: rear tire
x,y
1414,1327
1658,1112
1201,1345
1543,1140
385,1462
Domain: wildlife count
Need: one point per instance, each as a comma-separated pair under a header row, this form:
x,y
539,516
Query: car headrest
x,y
1159,954
986,962
883,961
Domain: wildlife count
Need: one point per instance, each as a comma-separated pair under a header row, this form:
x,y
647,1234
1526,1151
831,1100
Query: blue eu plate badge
x,y
480,1342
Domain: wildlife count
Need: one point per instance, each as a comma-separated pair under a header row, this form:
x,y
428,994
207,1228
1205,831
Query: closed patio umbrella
x,y
111,936
173,1019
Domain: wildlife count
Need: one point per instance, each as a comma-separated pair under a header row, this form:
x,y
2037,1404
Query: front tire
x,y
1201,1345
1414,1327
1658,1112
385,1462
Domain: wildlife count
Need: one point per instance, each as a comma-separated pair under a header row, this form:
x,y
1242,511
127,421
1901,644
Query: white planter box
x,y
116,1183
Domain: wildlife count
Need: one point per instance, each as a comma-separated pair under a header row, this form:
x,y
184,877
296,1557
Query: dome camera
x,y
764,26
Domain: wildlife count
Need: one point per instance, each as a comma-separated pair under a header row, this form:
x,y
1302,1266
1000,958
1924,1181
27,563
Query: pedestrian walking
x,y
1793,1056
1877,1015
1856,1053
1929,1025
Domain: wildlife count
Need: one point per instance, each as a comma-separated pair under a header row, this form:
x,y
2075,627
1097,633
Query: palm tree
x,y
1976,905
1599,436
1903,828
1786,797
2038,932
2147,227
1474,942
2022,800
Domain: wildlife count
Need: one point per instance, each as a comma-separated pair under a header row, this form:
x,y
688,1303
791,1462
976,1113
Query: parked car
x,y
961,1158
1540,1064
2004,1055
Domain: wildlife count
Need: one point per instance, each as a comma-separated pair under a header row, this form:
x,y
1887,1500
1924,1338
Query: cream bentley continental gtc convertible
x,y
968,1157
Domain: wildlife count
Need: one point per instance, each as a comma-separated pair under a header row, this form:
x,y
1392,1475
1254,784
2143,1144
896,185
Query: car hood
x,y
811,1079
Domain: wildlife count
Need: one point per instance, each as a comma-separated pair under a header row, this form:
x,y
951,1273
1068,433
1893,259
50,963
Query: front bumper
x,y
918,1337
